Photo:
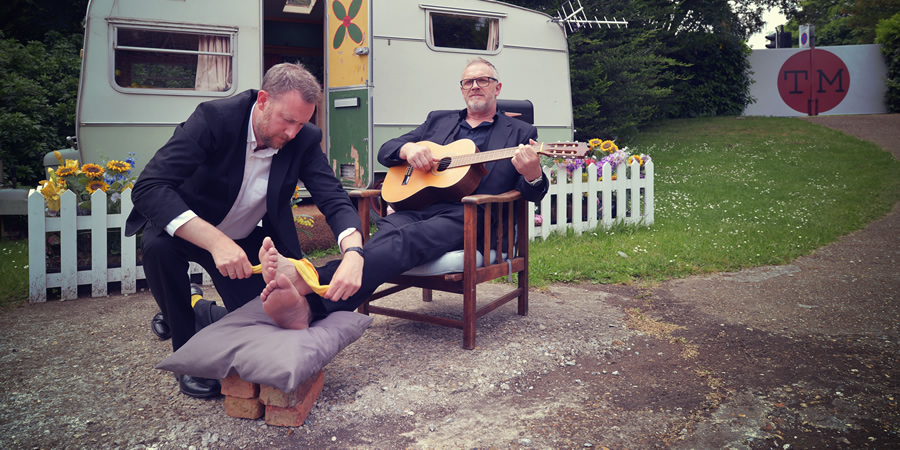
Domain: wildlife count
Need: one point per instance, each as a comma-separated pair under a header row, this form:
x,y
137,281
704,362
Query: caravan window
x,y
152,59
451,31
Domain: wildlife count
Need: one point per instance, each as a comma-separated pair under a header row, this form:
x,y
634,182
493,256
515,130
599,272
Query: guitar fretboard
x,y
481,157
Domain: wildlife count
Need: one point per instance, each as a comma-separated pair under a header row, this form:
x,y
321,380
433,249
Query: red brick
x,y
270,396
295,416
244,408
234,386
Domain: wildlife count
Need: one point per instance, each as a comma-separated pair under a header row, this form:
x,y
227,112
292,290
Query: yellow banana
x,y
306,271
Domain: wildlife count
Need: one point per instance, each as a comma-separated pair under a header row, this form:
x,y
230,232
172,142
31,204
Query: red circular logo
x,y
813,81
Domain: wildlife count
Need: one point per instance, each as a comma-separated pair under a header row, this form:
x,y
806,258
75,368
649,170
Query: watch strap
x,y
357,250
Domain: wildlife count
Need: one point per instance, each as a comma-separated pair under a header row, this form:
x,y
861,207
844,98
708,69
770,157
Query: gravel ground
x,y
796,356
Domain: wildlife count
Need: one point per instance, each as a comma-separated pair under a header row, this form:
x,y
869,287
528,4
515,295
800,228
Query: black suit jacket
x,y
440,127
201,168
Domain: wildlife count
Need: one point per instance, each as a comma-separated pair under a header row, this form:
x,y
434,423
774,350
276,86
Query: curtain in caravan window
x,y
213,71
493,35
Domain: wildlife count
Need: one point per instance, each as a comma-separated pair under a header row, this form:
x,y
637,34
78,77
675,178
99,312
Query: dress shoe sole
x,y
204,395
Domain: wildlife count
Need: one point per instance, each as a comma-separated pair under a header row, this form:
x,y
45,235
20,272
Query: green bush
x,y
617,82
888,35
38,91
713,78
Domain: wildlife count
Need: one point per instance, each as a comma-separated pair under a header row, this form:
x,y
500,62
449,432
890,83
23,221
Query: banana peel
x,y
307,271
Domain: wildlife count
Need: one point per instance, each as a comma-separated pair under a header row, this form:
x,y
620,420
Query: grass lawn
x,y
732,193
13,272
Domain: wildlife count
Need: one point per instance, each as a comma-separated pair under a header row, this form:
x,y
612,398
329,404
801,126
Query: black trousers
x,y
404,240
166,261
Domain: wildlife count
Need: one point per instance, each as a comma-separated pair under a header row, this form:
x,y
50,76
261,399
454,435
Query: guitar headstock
x,y
562,149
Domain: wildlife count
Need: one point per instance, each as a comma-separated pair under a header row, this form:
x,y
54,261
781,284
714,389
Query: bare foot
x,y
273,263
285,305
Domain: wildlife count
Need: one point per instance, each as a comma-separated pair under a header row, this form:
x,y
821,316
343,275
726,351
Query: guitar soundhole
x,y
443,164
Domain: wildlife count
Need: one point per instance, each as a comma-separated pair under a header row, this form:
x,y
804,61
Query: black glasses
x,y
482,82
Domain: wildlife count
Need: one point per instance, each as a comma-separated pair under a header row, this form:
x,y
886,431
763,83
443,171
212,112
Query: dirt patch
x,y
796,356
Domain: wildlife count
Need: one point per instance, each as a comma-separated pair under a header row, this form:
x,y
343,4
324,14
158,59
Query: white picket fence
x,y
561,208
564,205
68,224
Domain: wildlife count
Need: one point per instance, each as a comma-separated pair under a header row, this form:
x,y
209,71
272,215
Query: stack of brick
x,y
247,400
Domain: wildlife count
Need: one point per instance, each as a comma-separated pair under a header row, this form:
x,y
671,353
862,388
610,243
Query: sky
x,y
773,18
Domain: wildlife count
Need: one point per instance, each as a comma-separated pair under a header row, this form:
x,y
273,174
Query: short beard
x,y
478,105
263,139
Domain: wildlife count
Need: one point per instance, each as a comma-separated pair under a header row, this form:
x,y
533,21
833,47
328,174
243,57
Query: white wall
x,y
864,94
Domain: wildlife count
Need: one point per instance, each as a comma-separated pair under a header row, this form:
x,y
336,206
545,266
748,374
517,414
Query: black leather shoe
x,y
198,387
196,290
160,327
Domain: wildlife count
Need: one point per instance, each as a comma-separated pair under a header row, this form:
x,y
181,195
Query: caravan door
x,y
348,91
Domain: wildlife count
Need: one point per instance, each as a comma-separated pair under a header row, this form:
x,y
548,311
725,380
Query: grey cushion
x,y
247,342
450,262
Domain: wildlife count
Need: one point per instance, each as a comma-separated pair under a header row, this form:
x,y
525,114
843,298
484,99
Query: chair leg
x,y
523,296
426,295
469,319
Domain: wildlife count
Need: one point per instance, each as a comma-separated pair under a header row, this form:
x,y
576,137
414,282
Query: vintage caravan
x,y
384,65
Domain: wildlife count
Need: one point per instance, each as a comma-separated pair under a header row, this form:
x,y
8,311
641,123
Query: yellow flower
x,y
93,185
304,220
72,163
66,171
92,171
608,146
637,158
118,166
594,143
51,192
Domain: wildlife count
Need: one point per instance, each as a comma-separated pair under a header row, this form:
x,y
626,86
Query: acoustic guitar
x,y
458,172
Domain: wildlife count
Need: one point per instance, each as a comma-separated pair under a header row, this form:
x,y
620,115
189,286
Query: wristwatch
x,y
357,250
537,181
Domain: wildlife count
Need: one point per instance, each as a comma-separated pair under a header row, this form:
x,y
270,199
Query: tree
x,y
675,59
842,22
38,90
30,20
888,35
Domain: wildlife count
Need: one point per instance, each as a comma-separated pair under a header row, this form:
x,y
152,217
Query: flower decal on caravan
x,y
347,26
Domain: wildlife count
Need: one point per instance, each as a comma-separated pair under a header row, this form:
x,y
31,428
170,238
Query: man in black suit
x,y
221,184
406,239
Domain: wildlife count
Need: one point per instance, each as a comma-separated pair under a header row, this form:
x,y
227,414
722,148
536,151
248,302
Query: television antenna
x,y
577,18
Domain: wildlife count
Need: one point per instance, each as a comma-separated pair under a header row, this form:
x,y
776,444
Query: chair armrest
x,y
481,199
364,193
366,201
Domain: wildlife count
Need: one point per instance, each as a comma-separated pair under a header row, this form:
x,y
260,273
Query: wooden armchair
x,y
466,281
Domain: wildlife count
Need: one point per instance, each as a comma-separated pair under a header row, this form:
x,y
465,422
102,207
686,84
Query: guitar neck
x,y
482,157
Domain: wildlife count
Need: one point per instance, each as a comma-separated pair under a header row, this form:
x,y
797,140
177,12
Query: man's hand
x,y
231,260
417,156
527,162
229,257
348,277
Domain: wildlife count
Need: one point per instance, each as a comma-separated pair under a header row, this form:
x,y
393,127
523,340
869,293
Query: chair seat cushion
x,y
450,262
247,342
